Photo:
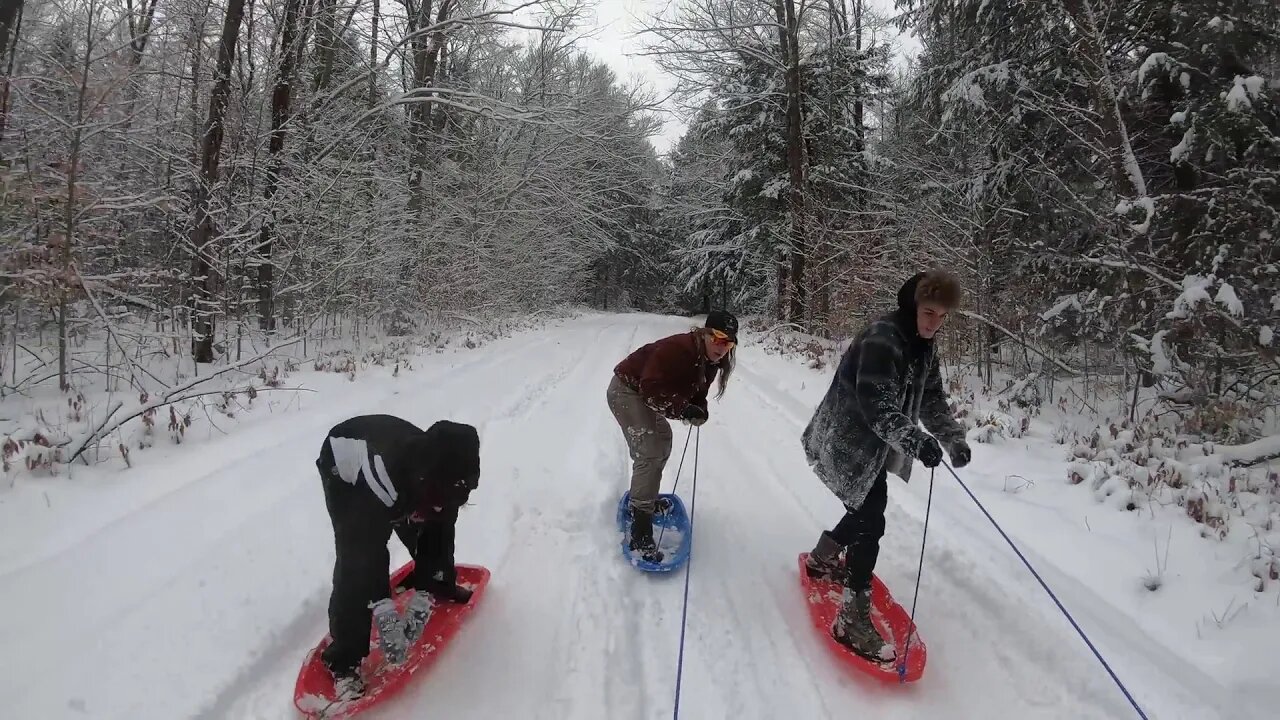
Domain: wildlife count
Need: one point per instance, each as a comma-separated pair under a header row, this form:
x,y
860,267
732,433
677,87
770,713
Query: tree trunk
x,y
202,230
426,56
9,10
1126,173
140,22
280,97
326,43
373,56
10,18
70,214
795,161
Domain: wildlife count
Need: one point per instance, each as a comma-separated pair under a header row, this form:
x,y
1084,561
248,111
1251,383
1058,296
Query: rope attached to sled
x,y
911,629
684,612
1057,602
679,467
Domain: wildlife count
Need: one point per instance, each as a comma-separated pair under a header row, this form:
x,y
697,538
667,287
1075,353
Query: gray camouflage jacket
x,y
886,384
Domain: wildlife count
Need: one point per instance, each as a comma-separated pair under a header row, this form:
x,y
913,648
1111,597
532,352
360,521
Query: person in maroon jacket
x,y
666,380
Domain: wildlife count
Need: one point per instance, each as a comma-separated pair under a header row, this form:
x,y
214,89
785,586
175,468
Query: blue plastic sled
x,y
671,530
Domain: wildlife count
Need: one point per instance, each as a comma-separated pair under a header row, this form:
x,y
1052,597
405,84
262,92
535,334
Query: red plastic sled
x,y
314,695
890,618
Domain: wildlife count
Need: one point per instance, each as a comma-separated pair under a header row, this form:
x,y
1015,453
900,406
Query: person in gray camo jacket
x,y
866,426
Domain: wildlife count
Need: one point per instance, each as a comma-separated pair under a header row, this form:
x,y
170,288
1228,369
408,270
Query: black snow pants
x,y
361,570
860,530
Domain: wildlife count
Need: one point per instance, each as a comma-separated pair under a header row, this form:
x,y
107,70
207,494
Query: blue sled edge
x,y
677,519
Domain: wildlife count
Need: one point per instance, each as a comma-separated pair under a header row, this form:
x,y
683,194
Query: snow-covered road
x,y
193,587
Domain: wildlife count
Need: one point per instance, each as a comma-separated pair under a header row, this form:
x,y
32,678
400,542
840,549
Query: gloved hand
x,y
390,626
695,414
960,454
930,452
450,592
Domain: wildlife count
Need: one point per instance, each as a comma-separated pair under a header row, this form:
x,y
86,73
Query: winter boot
x,y
824,562
662,506
853,628
390,631
642,536
417,615
349,686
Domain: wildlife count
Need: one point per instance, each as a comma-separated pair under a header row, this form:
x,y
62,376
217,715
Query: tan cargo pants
x,y
648,437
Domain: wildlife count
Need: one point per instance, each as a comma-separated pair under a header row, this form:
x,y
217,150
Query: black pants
x,y
859,531
361,569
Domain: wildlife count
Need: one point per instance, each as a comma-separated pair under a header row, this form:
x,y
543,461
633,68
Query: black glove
x,y
930,452
695,414
960,454
451,592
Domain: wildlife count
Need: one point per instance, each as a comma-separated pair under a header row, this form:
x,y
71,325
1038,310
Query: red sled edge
x,y
313,694
890,618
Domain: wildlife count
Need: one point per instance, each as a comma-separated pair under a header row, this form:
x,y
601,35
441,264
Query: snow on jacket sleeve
x,y
670,377
934,411
878,388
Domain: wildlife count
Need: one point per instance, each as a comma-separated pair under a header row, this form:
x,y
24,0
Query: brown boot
x,y
824,561
854,630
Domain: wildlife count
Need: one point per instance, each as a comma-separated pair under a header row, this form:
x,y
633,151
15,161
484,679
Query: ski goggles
x,y
719,337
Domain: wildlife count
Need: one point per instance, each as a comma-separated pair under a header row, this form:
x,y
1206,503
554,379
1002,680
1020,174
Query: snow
x,y
968,88
1180,151
1161,365
1155,61
1146,203
1266,447
1178,118
1238,97
1265,336
1069,301
1195,289
193,584
1227,298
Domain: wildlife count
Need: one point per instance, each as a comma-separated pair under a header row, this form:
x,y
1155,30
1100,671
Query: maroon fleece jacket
x,y
669,374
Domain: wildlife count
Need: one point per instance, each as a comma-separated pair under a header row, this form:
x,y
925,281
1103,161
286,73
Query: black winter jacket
x,y
411,471
887,382
420,478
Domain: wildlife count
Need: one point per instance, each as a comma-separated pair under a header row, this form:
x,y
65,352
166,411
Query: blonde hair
x,y
726,363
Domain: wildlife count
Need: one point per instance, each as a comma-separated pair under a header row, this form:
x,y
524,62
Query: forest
x,y
204,179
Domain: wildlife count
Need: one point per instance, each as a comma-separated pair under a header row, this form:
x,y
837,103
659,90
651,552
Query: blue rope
x,y
684,612
680,467
1044,585
911,629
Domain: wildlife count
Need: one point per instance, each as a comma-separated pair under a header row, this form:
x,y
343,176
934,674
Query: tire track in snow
x,y
551,601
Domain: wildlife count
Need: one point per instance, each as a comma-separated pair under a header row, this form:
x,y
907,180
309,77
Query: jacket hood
x,y
907,294
905,315
448,456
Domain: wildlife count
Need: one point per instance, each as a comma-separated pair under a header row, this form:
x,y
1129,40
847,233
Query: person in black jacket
x,y
866,426
381,475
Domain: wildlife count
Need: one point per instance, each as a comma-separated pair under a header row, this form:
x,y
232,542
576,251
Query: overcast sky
x,y
614,40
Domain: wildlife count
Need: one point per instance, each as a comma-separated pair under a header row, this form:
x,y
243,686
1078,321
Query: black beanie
x,y
725,322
